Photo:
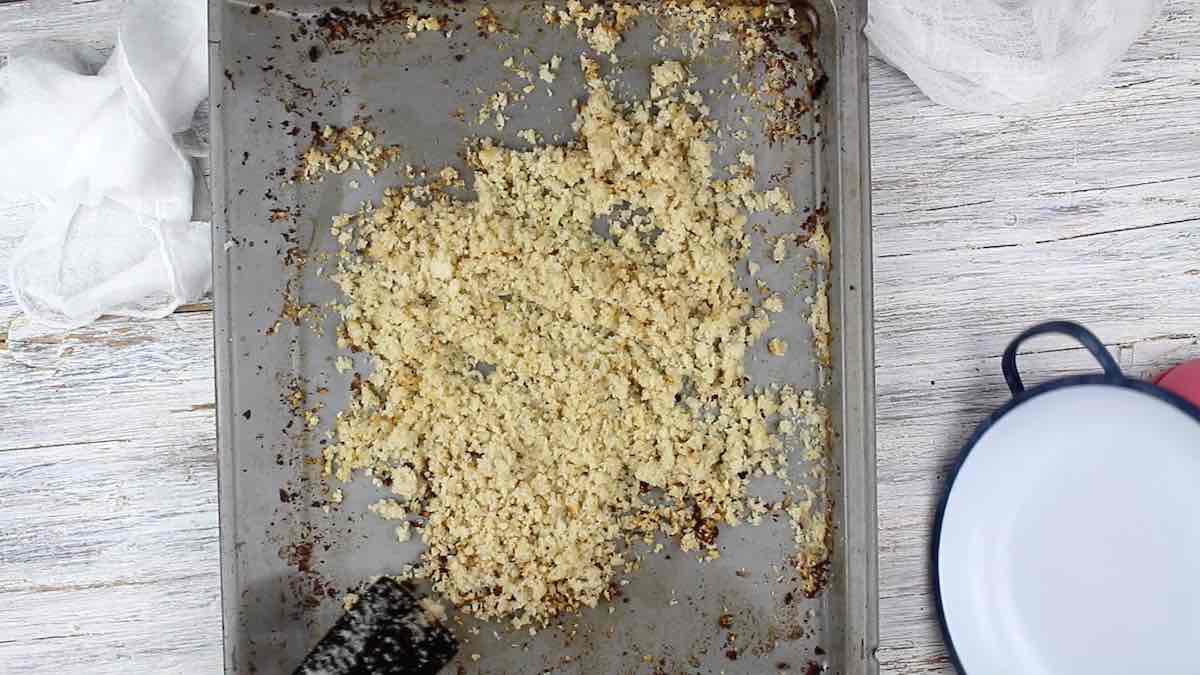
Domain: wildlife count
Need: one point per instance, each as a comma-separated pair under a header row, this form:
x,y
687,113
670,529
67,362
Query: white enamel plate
x,y
1068,540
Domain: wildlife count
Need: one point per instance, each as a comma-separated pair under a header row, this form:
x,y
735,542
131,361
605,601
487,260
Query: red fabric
x,y
1183,380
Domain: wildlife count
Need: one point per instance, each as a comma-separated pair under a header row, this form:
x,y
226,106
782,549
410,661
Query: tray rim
x,y
856,557
858,553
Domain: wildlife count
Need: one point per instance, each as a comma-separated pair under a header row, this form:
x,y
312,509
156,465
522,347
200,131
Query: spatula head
x,y
386,633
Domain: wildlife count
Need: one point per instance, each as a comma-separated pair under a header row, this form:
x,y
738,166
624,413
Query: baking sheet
x,y
287,559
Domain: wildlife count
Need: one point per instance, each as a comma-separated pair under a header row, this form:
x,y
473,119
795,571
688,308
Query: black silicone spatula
x,y
385,633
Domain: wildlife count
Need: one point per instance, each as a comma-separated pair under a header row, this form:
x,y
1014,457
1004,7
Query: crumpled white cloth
x,y
92,141
1006,56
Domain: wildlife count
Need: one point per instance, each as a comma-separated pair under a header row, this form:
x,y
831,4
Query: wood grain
x,y
108,527
986,224
93,23
983,225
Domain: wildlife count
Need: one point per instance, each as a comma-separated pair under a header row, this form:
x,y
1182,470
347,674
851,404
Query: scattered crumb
x,y
339,149
818,319
547,72
779,251
487,23
666,78
818,322
777,346
389,509
593,383
601,25
433,609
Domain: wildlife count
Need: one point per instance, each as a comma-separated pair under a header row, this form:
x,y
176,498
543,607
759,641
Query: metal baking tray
x,y
278,69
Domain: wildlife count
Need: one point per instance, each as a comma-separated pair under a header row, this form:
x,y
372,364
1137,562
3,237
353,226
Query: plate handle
x,y
1008,364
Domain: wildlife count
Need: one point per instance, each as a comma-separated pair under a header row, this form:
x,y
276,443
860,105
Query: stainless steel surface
x,y
286,561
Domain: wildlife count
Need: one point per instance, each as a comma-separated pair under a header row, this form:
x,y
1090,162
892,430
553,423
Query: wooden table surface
x,y
983,225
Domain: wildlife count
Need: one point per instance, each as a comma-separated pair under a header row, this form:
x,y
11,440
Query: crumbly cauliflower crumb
x,y
433,610
818,322
547,72
340,149
530,399
600,25
779,251
389,509
777,346
666,78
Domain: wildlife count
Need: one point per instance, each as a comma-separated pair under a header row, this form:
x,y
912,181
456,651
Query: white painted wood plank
x,y
165,628
1125,285
153,518
108,528
91,22
117,380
